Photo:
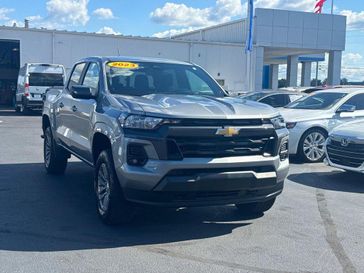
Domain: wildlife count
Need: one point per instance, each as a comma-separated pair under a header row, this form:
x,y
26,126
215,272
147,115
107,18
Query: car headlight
x,y
141,122
291,125
278,122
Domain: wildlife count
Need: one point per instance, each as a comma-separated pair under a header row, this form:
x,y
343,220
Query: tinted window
x,y
92,77
76,75
276,100
254,96
357,101
139,79
318,101
45,79
293,98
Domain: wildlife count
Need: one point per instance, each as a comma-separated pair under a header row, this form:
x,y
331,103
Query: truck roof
x,y
134,59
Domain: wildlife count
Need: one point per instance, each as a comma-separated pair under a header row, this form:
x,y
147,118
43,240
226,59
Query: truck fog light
x,y
136,155
283,149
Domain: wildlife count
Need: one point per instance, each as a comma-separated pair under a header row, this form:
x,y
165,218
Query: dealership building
x,y
295,39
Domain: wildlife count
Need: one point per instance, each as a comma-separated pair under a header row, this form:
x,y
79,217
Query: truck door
x,y
65,115
83,110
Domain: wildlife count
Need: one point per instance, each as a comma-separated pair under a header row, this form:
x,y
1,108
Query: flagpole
x,y
332,7
249,43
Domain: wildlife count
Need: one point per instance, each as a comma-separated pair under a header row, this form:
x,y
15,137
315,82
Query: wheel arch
x,y
316,127
45,122
100,142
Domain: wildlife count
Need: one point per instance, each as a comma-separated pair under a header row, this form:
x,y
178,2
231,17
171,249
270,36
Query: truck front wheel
x,y
55,157
112,207
255,208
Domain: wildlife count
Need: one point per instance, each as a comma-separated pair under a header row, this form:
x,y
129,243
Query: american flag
x,y
319,5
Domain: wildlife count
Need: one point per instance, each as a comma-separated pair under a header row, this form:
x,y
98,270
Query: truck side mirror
x,y
81,92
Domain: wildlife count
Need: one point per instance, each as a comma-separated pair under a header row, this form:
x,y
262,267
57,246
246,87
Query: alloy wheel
x,y
313,146
103,189
47,147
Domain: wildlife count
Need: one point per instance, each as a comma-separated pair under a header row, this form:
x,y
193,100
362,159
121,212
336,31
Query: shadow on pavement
x,y
10,112
39,212
333,181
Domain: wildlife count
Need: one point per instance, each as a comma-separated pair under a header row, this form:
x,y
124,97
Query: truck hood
x,y
351,130
188,106
299,115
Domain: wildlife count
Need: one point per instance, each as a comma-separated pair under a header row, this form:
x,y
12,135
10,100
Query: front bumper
x,y
329,162
199,181
357,170
295,135
204,182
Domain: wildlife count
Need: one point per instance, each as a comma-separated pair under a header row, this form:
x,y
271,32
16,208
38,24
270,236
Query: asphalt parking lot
x,y
49,224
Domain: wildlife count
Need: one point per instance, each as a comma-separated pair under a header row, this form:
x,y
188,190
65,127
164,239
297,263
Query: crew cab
x,y
164,133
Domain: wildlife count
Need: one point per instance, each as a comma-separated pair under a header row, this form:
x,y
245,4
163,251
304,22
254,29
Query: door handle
x,y
74,108
61,105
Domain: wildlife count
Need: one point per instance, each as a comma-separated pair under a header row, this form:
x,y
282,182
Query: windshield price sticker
x,y
124,65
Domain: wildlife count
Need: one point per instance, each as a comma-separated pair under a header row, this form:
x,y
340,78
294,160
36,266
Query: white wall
x,y
226,60
299,30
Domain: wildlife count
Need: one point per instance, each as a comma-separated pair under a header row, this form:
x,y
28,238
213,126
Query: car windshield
x,y
45,79
318,101
144,78
254,96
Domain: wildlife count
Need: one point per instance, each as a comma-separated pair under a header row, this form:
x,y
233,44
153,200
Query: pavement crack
x,y
331,234
232,265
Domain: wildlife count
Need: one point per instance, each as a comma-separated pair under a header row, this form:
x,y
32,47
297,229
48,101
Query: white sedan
x,y
311,118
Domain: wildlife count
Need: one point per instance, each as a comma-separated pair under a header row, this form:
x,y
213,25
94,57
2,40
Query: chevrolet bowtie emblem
x,y
228,132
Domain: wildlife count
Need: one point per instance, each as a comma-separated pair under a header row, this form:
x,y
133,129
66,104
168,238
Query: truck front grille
x,y
349,156
217,146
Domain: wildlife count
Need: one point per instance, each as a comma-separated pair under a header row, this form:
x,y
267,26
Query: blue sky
x,y
164,18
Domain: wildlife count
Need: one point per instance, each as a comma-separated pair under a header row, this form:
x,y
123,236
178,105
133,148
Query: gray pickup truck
x,y
164,133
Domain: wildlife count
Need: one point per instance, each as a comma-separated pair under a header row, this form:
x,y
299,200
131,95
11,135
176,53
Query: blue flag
x,y
249,38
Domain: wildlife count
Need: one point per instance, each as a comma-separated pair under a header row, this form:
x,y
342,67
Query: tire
x,y
311,146
256,208
17,108
55,157
112,207
24,110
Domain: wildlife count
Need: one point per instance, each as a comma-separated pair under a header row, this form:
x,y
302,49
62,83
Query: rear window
x,y
45,79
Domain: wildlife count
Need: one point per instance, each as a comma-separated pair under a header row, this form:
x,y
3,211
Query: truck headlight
x,y
278,122
141,122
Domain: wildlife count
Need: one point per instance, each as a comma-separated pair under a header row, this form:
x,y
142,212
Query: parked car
x,y
304,90
276,99
33,81
164,133
345,147
311,118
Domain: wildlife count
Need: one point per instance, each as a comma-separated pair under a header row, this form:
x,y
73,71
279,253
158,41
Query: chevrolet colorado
x,y
163,133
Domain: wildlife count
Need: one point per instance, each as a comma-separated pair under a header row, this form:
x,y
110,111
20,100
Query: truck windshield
x,y
318,101
144,78
45,79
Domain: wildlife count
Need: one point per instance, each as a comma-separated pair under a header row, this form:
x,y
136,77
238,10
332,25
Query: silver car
x,y
345,147
310,119
276,99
